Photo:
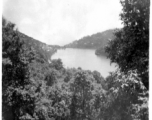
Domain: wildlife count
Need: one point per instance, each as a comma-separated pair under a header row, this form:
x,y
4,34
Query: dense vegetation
x,y
34,89
94,41
130,48
44,50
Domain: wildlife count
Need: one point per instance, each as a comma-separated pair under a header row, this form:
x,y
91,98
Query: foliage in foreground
x,y
130,48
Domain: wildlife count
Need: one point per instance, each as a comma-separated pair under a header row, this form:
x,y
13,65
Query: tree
x,y
130,48
16,98
57,64
86,96
127,97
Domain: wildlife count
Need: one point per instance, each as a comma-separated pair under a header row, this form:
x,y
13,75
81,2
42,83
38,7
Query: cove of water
x,y
86,59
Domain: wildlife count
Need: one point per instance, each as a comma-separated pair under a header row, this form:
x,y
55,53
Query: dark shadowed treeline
x,y
130,48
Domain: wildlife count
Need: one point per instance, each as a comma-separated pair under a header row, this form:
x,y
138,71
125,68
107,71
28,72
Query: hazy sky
x,y
62,21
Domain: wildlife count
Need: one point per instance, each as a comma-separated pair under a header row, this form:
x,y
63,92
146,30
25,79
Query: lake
x,y
84,58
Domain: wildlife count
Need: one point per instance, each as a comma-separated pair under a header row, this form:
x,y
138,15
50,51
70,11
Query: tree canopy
x,y
130,48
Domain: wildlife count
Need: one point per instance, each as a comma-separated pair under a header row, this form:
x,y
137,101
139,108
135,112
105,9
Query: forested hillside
x,y
43,49
94,41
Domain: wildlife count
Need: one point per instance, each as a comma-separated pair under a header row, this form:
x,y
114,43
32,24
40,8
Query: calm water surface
x,y
86,59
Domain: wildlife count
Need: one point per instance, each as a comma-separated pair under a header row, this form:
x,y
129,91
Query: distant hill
x,y
95,41
45,51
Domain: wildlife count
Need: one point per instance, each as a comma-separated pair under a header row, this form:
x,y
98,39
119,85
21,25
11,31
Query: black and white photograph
x,y
75,60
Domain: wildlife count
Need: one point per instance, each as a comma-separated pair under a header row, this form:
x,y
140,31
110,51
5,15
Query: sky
x,y
62,21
